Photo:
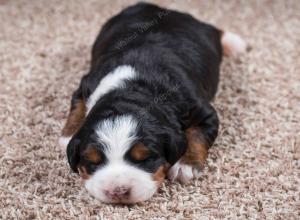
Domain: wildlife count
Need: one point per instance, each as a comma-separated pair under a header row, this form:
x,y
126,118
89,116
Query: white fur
x,y
233,44
112,80
117,137
64,141
120,174
183,172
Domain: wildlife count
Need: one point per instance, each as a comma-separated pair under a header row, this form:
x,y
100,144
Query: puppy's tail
x,y
232,44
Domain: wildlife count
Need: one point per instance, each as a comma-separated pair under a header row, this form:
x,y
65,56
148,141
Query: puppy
x,y
142,112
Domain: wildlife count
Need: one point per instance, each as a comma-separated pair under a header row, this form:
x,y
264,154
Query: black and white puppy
x,y
143,112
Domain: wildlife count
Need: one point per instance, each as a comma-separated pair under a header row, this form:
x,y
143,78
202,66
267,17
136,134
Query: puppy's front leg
x,y
201,133
75,119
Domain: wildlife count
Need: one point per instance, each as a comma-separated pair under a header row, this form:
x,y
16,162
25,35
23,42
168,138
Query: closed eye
x,y
93,155
139,152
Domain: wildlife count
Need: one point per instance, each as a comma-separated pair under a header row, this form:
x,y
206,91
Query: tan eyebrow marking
x,y
92,154
139,151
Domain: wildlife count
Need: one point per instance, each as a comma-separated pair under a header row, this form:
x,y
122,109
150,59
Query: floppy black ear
x,y
175,147
73,153
203,116
168,140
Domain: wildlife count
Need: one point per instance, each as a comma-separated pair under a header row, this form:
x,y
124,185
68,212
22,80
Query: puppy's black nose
x,y
118,193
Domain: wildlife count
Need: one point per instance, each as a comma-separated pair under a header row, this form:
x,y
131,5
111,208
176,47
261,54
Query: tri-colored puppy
x,y
143,112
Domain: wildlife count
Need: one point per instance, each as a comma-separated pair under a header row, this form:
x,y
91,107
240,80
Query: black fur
x,y
177,59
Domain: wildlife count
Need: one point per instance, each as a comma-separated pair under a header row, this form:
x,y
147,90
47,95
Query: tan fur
x,y
139,152
75,119
197,150
92,154
160,174
83,173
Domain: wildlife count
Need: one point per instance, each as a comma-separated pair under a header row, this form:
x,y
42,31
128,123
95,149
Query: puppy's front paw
x,y
183,172
64,141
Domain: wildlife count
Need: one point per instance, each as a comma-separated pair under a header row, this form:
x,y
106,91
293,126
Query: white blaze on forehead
x,y
117,136
112,80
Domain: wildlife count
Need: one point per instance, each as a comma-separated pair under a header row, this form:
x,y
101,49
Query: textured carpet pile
x,y
253,171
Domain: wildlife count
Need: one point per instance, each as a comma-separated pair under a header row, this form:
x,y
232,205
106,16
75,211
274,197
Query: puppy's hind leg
x,y
191,163
201,132
232,44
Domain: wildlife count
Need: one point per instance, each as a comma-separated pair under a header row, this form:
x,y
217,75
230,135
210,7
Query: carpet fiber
x,y
253,171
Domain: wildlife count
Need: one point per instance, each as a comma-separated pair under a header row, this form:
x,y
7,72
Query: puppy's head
x,y
123,159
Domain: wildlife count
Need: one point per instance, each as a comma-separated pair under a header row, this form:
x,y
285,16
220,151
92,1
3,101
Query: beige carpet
x,y
253,170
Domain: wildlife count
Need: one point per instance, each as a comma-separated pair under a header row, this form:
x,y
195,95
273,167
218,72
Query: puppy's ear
x,y
175,146
203,117
73,153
